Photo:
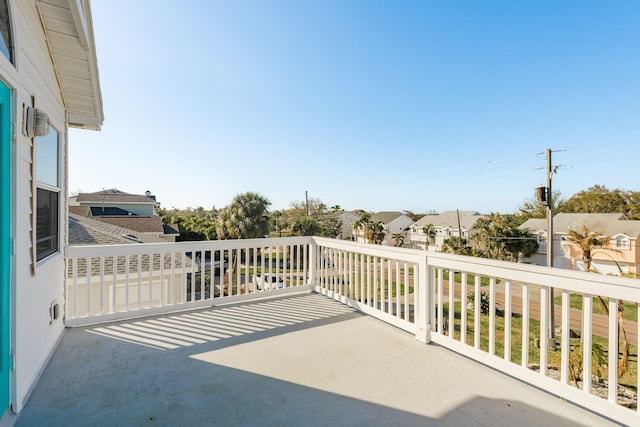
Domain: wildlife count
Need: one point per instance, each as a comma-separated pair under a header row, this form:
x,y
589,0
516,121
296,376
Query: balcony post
x,y
313,255
422,303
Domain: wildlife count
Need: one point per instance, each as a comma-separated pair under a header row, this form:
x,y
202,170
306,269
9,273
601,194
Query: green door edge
x,y
5,242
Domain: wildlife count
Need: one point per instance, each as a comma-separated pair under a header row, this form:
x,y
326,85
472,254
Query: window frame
x,y
55,219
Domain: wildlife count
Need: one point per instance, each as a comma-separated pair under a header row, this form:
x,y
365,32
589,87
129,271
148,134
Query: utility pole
x,y
306,201
552,315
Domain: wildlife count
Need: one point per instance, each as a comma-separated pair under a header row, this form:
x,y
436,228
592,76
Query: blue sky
x,y
374,105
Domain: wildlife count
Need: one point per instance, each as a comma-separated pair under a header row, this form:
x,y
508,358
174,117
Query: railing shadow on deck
x,y
209,367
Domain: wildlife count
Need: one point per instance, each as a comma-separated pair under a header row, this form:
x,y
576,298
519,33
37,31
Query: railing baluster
x,y
463,307
613,350
139,281
375,282
151,257
587,341
390,286
476,311
492,315
89,285
172,282
75,287
101,285
565,344
525,325
544,324
398,287
406,291
440,303
114,284
127,281
452,316
507,321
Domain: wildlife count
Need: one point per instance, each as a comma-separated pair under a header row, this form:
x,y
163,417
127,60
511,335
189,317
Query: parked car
x,y
267,282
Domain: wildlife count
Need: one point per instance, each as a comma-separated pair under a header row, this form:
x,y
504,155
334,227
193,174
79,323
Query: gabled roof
x,y
88,231
385,217
113,196
609,224
142,224
450,219
109,211
68,27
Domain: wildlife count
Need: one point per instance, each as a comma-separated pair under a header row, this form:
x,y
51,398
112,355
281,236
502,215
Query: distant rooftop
x,y
113,196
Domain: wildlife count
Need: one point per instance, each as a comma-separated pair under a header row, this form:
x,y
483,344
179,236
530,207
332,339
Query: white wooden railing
x,y
424,293
111,282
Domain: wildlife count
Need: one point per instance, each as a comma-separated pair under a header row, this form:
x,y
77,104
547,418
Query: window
x,y
622,242
6,41
47,195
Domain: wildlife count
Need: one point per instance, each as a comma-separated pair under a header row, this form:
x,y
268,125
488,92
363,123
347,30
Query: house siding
x,y
33,289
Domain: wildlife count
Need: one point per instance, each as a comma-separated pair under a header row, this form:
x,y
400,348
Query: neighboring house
x,y
48,83
102,203
88,231
393,222
621,257
347,218
445,225
133,211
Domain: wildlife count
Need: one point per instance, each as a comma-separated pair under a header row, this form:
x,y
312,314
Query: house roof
x,y
69,36
113,196
89,231
109,211
142,224
609,224
385,217
450,219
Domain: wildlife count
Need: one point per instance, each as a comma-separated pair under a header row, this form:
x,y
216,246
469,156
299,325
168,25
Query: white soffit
x,y
69,33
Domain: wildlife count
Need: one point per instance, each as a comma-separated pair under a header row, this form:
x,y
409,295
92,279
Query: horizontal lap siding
x,y
34,77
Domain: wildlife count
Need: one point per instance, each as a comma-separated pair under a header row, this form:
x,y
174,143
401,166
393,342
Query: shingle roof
x,y
608,224
109,211
90,231
385,217
450,219
114,196
142,224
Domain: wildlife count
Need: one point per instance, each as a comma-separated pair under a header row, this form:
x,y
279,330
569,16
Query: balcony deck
x,y
296,360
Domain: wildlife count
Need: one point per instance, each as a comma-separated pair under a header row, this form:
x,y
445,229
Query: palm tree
x,y
398,238
587,241
430,232
247,217
362,224
375,233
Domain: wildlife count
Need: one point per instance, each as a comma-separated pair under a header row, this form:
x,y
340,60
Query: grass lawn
x,y
630,310
553,356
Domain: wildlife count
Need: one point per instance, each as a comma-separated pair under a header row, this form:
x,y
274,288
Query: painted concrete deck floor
x,y
300,360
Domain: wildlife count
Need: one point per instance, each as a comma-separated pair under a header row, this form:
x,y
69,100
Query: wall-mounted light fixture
x,y
35,122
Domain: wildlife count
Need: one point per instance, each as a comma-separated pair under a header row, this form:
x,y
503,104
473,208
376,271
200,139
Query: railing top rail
x,y
405,254
578,281
208,245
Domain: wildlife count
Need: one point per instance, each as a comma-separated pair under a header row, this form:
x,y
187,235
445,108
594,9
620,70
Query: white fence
x,y
537,324
120,281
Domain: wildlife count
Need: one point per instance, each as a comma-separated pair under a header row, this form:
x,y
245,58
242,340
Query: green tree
x,y
498,237
375,233
587,241
596,199
247,217
455,245
430,234
398,238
